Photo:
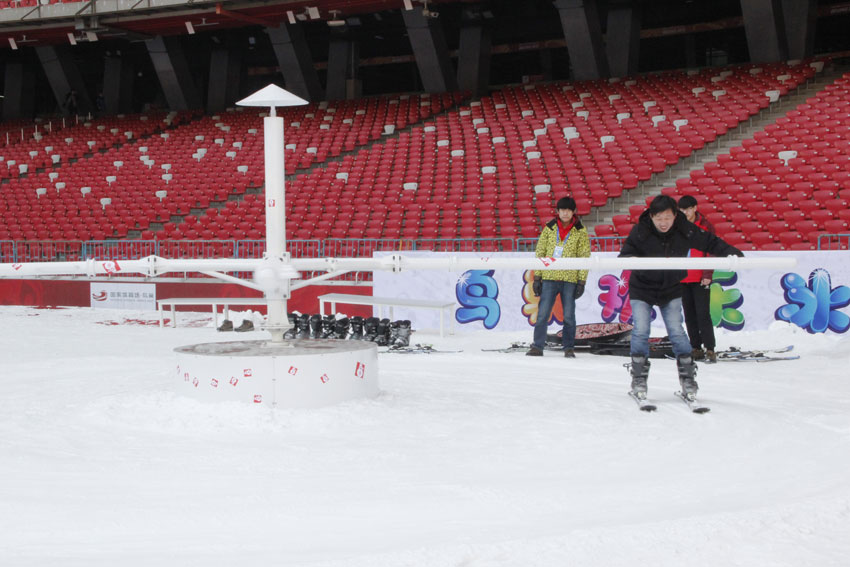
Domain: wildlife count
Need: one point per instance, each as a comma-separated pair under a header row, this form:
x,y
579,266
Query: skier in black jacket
x,y
663,232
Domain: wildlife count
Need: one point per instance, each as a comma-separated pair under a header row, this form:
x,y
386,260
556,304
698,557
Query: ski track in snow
x,y
474,459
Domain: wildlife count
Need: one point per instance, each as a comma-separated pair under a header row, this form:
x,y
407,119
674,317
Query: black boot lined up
x,y
380,331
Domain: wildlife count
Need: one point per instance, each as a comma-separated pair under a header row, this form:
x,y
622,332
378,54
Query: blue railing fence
x,y
74,250
833,241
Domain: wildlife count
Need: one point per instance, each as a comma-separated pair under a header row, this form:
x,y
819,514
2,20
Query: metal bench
x,y
213,301
380,302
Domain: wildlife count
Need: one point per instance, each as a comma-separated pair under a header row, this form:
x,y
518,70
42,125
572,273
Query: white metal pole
x,y
275,223
275,245
275,272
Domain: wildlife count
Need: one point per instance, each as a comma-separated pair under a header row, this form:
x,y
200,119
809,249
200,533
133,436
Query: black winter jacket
x,y
657,287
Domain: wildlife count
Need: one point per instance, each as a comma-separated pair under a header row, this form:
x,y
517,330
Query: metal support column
x,y
765,28
623,37
296,63
174,73
118,77
18,85
225,77
64,76
583,33
429,47
473,62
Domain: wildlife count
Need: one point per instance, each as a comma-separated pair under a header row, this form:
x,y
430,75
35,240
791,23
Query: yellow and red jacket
x,y
576,245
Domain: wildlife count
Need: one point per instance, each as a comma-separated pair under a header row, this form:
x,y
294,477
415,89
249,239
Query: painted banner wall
x,y
813,296
82,293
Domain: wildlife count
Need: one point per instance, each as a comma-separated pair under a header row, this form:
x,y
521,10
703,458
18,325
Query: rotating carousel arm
x,y
153,266
399,262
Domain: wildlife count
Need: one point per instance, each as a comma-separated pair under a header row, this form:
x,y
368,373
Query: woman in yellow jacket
x,y
562,237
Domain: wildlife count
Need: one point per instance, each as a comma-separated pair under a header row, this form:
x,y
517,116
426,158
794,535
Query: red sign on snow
x,y
258,399
360,370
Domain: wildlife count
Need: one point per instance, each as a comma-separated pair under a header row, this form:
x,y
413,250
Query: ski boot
x,y
383,335
226,325
393,333
402,332
341,328
328,325
639,370
370,329
356,328
315,326
290,332
302,327
687,376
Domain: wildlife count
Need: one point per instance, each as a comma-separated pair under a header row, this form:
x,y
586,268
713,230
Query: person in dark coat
x,y
696,293
663,232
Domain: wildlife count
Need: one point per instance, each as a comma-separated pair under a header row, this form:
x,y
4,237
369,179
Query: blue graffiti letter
x,y
477,291
813,304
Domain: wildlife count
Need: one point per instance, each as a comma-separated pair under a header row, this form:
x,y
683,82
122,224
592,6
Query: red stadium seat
x,y
789,238
837,226
761,239
604,230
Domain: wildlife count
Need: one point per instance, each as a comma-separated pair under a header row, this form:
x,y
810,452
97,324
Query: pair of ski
x,y
694,405
735,354
418,349
520,347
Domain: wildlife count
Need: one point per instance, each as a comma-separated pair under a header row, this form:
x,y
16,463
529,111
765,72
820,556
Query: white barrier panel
x,y
813,295
299,373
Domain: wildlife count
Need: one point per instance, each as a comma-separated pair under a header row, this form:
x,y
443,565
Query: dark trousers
x,y
551,290
696,302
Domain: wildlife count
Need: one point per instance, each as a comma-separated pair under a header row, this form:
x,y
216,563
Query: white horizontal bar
x,y
154,266
399,262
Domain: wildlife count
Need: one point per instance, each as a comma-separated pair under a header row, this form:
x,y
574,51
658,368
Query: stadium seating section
x,y
433,167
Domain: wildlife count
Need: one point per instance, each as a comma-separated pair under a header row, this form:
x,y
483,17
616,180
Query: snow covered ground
x,y
474,459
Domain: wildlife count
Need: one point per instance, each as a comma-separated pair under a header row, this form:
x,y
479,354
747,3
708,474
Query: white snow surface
x,y
476,459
